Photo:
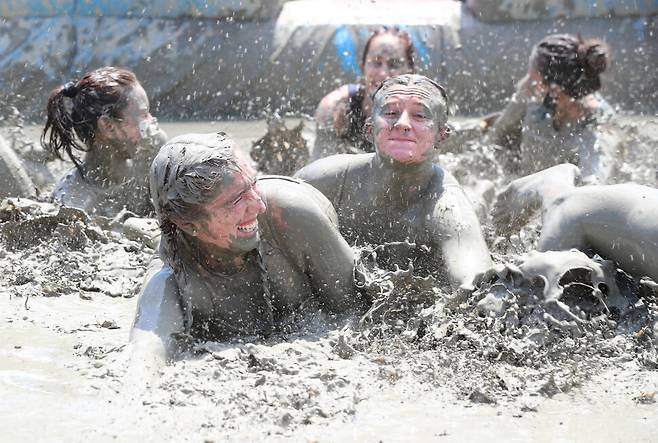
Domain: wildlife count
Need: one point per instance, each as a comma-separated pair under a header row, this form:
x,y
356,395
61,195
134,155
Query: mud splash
x,y
540,340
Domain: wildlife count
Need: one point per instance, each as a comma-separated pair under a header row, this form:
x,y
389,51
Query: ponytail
x,y
59,135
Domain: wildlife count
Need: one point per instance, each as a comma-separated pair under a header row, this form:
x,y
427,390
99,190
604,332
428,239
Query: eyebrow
x,y
241,192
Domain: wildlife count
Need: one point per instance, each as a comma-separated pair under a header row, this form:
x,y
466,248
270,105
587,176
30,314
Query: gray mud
x,y
549,348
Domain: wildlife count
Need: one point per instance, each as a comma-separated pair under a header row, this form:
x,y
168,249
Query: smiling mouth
x,y
402,140
248,228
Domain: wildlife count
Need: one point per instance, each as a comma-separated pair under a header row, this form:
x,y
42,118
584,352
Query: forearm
x,y
466,259
158,317
508,125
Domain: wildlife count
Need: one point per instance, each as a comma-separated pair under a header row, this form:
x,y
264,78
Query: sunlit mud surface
x,y
549,347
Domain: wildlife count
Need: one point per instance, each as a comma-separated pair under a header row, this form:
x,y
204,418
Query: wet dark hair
x,y
188,172
404,36
74,109
571,62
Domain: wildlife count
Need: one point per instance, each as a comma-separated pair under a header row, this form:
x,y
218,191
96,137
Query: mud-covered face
x,y
406,122
133,124
386,58
232,222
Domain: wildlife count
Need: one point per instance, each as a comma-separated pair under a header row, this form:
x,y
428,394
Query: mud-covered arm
x,y
308,234
331,123
506,130
459,235
158,316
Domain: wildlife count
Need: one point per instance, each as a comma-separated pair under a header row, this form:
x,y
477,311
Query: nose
x,y
256,203
403,122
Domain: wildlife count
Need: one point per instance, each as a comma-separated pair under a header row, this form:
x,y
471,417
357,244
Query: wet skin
x,y
618,222
304,254
386,58
397,193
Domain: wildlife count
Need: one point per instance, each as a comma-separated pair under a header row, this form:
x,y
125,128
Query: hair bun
x,y
70,90
596,57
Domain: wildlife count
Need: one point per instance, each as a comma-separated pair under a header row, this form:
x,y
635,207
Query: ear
x,y
368,130
105,126
445,132
191,228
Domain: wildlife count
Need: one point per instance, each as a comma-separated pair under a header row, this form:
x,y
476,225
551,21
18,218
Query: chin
x,y
246,244
402,157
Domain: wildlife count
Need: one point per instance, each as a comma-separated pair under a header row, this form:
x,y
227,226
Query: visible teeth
x,y
248,228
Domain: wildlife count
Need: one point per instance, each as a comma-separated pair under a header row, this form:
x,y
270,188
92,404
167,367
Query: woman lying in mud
x,y
106,115
341,115
397,193
556,114
241,255
617,222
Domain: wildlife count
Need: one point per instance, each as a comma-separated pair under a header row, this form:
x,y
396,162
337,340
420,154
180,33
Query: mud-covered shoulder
x,y
72,191
451,210
328,174
292,203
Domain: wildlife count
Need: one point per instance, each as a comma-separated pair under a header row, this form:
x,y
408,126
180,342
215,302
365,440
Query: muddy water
x,y
66,309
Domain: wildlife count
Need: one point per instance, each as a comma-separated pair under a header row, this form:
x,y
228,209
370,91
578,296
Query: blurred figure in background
x,y
557,114
105,114
341,114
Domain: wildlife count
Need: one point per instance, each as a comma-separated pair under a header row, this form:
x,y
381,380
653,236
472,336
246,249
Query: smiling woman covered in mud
x,y
106,115
398,193
241,255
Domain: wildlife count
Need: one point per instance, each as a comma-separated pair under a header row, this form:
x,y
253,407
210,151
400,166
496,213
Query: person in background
x,y
556,114
105,114
341,114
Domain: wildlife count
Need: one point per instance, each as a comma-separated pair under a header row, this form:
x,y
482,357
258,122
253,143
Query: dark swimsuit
x,y
356,118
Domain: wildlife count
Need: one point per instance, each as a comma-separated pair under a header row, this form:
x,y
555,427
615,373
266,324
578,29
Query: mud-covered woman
x,y
397,193
556,114
241,256
104,115
341,115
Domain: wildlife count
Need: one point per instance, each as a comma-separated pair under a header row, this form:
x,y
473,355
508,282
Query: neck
x,y
570,111
219,259
401,182
101,165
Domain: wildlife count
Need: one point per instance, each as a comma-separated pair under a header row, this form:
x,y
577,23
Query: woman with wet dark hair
x,y
556,114
105,114
239,255
341,114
